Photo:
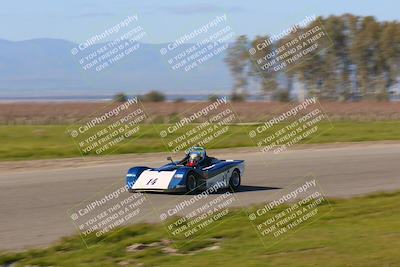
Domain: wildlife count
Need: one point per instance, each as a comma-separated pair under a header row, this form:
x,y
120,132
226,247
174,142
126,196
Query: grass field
x,y
356,232
20,142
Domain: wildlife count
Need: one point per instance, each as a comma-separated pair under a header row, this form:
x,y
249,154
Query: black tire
x,y
191,183
234,181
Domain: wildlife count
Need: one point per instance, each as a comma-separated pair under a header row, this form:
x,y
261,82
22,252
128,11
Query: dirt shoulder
x,y
72,112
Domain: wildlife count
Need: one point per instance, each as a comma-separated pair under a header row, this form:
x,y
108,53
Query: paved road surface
x,y
34,202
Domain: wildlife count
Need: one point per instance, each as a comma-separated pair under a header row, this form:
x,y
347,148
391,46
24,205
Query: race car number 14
x,y
152,181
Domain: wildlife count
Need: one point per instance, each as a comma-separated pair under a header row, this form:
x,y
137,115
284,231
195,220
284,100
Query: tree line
x,y
361,63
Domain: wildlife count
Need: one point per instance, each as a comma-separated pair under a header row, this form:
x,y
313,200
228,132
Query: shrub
x,y
153,96
282,96
179,100
238,97
213,98
120,97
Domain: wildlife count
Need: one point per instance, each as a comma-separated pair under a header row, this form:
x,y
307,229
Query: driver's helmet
x,y
196,154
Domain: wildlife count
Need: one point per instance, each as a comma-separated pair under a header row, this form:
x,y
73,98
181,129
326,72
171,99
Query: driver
x,y
194,159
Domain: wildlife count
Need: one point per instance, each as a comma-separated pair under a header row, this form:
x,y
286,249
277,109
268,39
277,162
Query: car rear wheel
x,y
234,181
191,183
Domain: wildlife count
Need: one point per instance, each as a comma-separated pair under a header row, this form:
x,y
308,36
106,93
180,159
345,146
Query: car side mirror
x,y
170,159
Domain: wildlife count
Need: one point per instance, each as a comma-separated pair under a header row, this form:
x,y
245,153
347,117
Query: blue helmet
x,y
196,155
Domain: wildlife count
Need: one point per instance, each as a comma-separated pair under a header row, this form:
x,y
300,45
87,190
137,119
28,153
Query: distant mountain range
x,y
46,67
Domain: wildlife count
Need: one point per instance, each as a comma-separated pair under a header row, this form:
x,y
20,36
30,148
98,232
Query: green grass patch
x,y
20,142
357,232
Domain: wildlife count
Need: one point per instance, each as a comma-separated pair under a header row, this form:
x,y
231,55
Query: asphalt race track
x,y
34,202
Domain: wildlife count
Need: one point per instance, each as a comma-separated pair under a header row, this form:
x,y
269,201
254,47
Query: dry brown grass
x,y
68,112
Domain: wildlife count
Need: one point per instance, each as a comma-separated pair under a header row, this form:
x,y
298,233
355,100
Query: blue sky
x,y
165,20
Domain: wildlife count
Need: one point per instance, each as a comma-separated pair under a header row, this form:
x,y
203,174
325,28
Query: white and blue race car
x,y
196,171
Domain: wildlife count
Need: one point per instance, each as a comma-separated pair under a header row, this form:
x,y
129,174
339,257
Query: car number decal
x,y
152,181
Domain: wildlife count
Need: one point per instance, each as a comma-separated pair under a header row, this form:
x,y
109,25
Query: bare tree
x,y
237,60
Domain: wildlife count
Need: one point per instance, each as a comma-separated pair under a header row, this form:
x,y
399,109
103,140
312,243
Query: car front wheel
x,y
234,181
191,183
